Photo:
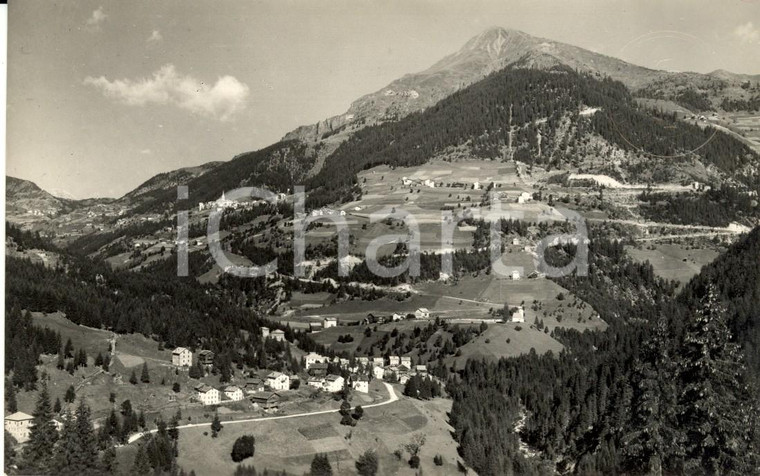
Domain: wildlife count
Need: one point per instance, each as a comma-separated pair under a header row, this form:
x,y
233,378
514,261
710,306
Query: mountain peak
x,y
495,41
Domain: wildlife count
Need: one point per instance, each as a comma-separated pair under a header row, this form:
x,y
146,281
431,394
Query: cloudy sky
x,y
102,95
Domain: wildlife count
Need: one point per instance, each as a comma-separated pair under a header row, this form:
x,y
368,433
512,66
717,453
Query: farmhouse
x,y
182,357
524,197
330,322
18,425
360,384
254,384
429,183
407,362
278,335
397,317
313,358
316,382
207,395
420,369
394,360
233,393
334,383
422,313
378,372
206,358
315,326
318,370
363,360
515,275
266,401
518,315
278,381
378,361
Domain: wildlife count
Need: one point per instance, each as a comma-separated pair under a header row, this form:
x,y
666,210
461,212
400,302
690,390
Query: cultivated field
x,y
674,262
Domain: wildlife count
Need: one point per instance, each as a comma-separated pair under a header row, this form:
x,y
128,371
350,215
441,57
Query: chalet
x,y
420,369
19,425
278,381
518,315
378,372
264,332
344,362
254,384
267,401
360,384
334,383
394,360
278,335
182,357
429,183
313,358
407,362
316,382
422,313
524,197
315,326
329,322
397,317
206,358
233,392
378,361
318,370
515,275
207,395
363,360
403,378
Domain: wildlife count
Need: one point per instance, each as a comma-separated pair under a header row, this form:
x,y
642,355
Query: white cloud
x,y
146,152
747,33
220,101
97,17
155,37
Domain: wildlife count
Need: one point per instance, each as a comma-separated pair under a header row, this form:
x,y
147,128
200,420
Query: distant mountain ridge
x,y
495,49
24,197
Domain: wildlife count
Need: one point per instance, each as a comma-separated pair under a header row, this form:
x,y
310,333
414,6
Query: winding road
x,y
389,387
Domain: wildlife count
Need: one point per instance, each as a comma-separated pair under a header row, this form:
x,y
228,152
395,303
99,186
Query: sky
x,y
103,95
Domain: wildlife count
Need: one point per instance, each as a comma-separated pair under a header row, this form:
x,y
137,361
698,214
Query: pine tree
x,y
320,466
99,360
133,378
366,464
716,401
141,465
71,395
108,462
10,397
68,350
57,406
61,364
77,452
38,452
145,377
216,426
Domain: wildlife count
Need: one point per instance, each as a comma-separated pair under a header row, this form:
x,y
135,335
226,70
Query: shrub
x,y
438,460
414,462
243,448
367,464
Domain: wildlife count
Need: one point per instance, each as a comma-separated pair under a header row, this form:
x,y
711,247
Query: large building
x,y
330,322
278,381
422,313
233,393
361,384
334,383
206,358
207,394
18,425
313,358
278,334
182,357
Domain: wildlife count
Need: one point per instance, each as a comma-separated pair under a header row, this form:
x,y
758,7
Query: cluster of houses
x,y
420,313
379,367
256,388
324,211
224,202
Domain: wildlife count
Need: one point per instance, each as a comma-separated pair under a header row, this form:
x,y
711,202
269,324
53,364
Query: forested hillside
x,y
665,390
541,110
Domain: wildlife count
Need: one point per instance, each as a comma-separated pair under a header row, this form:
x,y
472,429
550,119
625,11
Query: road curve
x,y
391,391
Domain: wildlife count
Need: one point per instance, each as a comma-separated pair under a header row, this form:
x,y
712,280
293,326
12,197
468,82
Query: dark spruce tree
x,y
43,435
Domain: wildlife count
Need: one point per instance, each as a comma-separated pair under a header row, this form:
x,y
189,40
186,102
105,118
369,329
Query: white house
x,y
406,361
361,384
264,332
316,382
420,369
378,361
330,322
18,425
519,315
207,395
278,334
524,197
429,183
394,360
398,317
363,360
515,241
313,358
515,275
334,383
422,313
476,185
378,372
406,181
278,381
233,393
182,357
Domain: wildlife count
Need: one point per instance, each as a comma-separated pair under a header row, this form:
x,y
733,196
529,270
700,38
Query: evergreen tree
x,y
68,350
716,402
10,397
71,395
196,371
320,466
38,452
216,426
108,462
133,378
61,363
99,360
57,406
145,376
77,451
141,464
366,464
